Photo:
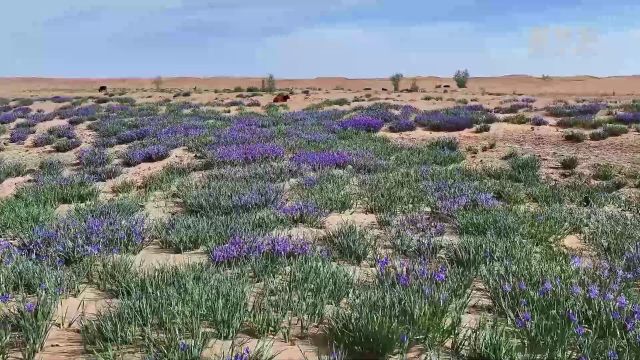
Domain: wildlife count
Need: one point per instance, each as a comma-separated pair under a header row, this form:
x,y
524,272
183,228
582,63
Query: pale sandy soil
x,y
64,340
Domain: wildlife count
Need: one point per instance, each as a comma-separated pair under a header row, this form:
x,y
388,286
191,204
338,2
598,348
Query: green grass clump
x,y
604,172
9,169
350,242
482,128
574,136
615,129
569,163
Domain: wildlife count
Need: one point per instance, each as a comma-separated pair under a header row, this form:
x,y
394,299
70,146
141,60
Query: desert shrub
x,y
327,103
125,100
569,162
414,86
574,135
598,135
402,125
565,110
10,169
604,172
135,156
482,128
615,129
66,144
461,77
43,140
253,89
102,100
395,81
24,102
19,135
361,123
538,120
462,101
269,84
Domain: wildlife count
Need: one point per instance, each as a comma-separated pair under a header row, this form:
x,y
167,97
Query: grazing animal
x,y
438,86
384,89
446,86
367,89
282,98
102,88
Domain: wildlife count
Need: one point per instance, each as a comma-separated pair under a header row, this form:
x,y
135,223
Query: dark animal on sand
x,y
384,89
282,98
102,88
446,86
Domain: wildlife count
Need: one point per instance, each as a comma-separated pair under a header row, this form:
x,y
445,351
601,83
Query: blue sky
x,y
305,38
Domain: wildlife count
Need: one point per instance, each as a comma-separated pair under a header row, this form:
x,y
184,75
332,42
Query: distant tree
x,y
269,84
461,77
414,86
157,82
395,81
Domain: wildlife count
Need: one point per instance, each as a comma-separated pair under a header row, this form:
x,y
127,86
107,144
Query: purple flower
x,y
382,264
248,153
538,120
404,338
30,307
621,301
403,280
242,248
361,123
593,291
615,315
402,125
183,346
572,316
4,298
545,288
576,290
522,285
576,261
300,211
441,274
322,159
133,157
523,319
506,287
612,355
580,330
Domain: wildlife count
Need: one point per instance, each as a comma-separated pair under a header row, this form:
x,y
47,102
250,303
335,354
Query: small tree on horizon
x,y
157,82
395,81
269,83
461,77
414,85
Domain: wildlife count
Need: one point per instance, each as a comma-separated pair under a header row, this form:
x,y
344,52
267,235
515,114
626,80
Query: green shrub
x,y
569,162
604,172
482,128
598,135
574,136
615,129
395,81
461,77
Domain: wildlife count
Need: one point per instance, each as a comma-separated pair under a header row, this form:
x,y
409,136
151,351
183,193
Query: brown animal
x,y
282,98
102,88
446,86
384,89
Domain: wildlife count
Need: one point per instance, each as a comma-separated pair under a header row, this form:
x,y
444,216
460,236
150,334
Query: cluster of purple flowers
x,y
8,118
451,120
257,197
43,140
81,111
309,135
420,272
243,134
538,120
322,159
22,111
247,153
528,99
402,125
452,196
361,123
301,211
628,117
564,110
62,131
133,157
239,248
130,136
418,226
93,157
181,134
19,135
60,99
72,238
